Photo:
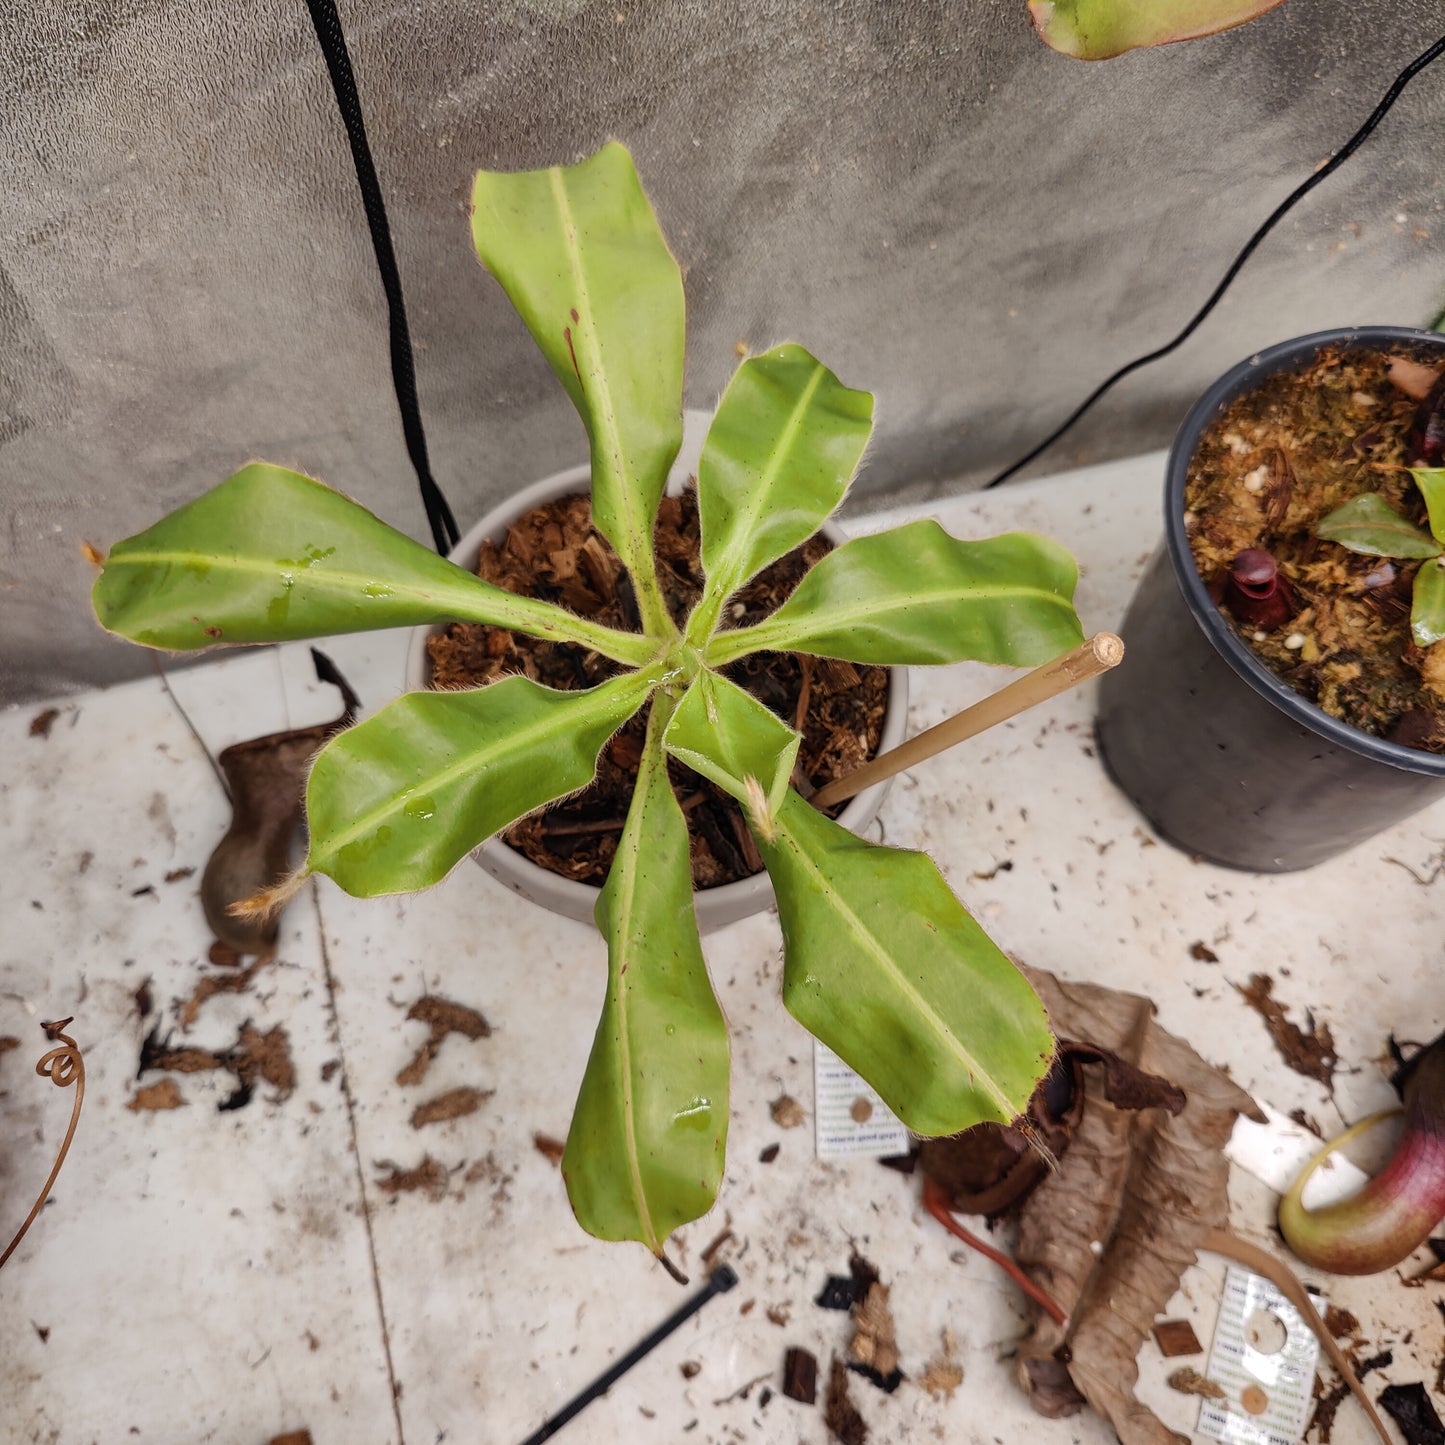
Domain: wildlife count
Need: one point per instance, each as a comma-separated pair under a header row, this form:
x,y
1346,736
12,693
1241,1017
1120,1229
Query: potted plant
x,y
881,960
1278,708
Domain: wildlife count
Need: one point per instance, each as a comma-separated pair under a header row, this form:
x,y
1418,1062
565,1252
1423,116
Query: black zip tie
x,y
403,365
1250,246
719,1281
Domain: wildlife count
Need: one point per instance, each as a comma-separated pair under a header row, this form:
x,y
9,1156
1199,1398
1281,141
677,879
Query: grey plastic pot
x,y
715,906
1225,759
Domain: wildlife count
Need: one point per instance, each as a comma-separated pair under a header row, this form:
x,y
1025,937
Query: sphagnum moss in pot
x,y
881,961
1284,694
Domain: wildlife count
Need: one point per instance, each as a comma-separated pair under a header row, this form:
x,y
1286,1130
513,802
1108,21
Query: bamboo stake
x,y
1101,652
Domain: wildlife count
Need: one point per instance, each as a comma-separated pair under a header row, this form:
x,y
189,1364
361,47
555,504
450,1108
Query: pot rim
x,y
728,902
1291,355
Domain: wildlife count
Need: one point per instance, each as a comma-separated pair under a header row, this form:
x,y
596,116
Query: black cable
x,y
722,1279
1250,246
403,366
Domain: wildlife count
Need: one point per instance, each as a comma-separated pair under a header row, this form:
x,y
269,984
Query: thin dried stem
x,y
63,1066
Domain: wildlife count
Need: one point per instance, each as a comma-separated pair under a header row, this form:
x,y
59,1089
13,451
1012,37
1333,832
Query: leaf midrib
x,y
805,623
600,401
950,1040
745,518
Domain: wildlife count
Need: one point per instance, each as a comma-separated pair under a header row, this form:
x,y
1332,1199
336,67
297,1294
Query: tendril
x,y
63,1066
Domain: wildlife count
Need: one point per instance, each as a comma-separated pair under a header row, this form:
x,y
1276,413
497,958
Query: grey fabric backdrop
x,y
943,209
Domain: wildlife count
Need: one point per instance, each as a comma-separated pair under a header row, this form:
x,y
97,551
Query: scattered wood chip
x,y
176,874
442,1017
429,1176
1188,1381
874,1344
787,1112
840,1414
163,1094
1200,952
254,1058
42,722
800,1375
549,1148
710,1254
211,984
943,1375
454,1104
1175,1338
1309,1053
1341,1322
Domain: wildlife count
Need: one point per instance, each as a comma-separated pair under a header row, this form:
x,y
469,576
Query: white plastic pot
x,y
715,906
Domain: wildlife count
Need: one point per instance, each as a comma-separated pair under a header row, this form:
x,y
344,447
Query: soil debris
x,y
942,1375
549,1148
1329,1400
454,1104
1340,1322
1200,952
787,1112
163,1094
779,1315
874,1346
861,1110
8,1042
769,1153
442,1017
1188,1381
1309,1052
1307,1121
254,1058
176,874
840,1414
709,1255
800,1375
1175,1338
1411,1409
43,721
292,1437
211,984
429,1177
690,1369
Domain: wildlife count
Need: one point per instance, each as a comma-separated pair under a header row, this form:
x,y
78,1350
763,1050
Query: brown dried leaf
x,y
1144,1188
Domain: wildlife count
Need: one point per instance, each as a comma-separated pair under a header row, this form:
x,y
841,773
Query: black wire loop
x,y
1237,265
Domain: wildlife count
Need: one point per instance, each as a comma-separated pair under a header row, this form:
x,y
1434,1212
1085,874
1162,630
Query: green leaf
x,y
645,1150
785,442
1369,524
579,252
884,965
1099,29
917,595
395,802
1427,607
272,556
727,735
1431,482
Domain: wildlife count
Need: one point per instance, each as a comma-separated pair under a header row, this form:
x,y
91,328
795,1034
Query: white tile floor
x,y
228,1276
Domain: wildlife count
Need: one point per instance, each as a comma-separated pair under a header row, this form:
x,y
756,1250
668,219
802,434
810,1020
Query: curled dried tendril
x,y
63,1066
